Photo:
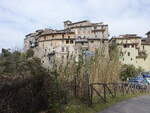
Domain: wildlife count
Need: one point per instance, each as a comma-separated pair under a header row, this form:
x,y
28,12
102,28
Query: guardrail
x,y
112,90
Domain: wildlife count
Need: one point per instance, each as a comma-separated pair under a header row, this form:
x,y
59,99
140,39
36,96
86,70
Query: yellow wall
x,y
134,52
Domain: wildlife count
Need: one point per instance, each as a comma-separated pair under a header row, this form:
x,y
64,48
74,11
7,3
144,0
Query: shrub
x,y
29,53
27,87
68,78
128,71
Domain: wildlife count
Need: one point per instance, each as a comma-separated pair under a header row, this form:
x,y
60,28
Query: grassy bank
x,y
76,106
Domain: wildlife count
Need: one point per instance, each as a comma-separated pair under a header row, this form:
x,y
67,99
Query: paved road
x,y
135,105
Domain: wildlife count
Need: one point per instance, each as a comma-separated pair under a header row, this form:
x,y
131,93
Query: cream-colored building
x,y
134,50
50,44
76,37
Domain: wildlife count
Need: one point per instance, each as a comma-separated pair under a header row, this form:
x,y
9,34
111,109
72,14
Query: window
x,y
69,37
49,58
114,41
67,56
62,49
63,36
30,42
121,53
143,47
52,36
67,41
132,46
71,41
82,43
44,37
43,44
131,59
125,45
128,53
67,49
79,37
95,27
62,57
92,41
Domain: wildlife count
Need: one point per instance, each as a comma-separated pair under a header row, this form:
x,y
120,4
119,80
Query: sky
x,y
21,17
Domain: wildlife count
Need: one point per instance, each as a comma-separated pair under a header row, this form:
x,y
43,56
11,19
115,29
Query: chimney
x,y
66,23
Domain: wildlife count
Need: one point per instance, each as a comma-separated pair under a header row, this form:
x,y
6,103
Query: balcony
x,y
51,54
142,54
80,40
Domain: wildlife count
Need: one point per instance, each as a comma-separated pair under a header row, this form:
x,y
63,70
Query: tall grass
x,y
102,67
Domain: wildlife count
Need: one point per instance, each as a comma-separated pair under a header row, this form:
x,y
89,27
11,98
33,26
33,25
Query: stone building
x,y
50,44
30,40
148,34
77,37
133,50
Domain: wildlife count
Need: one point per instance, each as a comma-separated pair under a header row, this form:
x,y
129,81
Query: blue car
x,y
146,76
138,81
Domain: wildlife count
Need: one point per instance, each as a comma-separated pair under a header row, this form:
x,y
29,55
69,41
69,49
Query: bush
x,y
69,79
128,71
17,63
98,68
27,87
23,95
29,53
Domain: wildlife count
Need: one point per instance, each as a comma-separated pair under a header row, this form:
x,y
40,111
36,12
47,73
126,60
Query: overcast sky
x,y
20,17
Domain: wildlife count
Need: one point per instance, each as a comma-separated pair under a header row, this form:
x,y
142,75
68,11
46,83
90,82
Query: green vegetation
x,y
24,84
128,71
65,85
29,53
78,107
20,64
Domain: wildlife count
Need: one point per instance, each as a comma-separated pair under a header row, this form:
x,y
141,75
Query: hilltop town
x,y
76,37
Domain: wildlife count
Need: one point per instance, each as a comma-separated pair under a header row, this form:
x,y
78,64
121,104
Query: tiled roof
x,y
146,41
49,31
79,22
148,33
126,37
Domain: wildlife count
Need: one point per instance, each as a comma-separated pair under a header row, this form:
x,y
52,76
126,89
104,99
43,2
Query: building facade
x,y
78,37
133,50
49,44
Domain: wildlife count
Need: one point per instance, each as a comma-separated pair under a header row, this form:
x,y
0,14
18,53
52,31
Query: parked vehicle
x,y
146,75
139,80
